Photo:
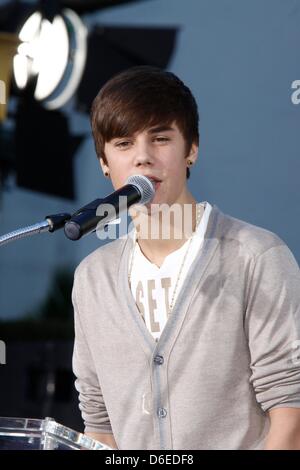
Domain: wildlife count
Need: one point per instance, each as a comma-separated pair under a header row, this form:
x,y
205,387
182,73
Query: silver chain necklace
x,y
198,217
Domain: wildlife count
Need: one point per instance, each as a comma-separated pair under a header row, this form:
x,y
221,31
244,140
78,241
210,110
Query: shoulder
x,y
249,238
256,249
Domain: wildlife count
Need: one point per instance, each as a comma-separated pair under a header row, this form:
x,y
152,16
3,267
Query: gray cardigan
x,y
227,354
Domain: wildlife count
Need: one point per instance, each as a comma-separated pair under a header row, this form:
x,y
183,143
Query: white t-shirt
x,y
152,287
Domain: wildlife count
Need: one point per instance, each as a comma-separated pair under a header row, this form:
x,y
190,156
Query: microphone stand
x,y
50,224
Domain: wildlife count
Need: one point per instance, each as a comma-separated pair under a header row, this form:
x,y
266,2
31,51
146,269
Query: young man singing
x,y
187,341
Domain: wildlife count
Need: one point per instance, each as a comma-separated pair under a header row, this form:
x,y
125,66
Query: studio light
x,y
52,53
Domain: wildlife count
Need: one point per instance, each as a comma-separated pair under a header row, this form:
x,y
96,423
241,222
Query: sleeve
x,y
272,325
91,402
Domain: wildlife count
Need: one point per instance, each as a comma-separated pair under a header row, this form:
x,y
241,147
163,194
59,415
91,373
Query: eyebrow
x,y
154,130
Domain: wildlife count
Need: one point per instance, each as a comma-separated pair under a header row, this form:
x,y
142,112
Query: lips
x,y
155,181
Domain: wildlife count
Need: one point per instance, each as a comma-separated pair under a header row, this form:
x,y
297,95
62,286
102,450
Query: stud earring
x,y
190,162
106,173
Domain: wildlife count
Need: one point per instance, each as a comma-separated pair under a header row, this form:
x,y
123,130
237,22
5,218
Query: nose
x,y
143,155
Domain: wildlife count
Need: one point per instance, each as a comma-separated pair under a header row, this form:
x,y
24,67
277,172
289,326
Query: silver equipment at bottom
x,y
43,434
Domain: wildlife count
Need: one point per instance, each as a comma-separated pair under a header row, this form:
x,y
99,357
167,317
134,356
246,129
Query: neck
x,y
161,232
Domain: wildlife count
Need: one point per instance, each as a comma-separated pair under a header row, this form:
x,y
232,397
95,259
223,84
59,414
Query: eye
x,y
162,139
122,144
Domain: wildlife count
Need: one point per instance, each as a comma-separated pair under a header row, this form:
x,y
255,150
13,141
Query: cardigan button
x,y
162,412
159,360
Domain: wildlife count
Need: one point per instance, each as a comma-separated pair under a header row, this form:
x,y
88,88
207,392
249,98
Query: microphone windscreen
x,y
145,187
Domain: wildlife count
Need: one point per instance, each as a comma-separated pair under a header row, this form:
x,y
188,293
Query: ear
x,y
193,154
104,167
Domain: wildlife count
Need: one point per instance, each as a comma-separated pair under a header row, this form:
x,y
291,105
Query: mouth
x,y
154,180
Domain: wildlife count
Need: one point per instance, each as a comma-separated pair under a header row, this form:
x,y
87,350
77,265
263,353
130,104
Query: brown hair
x,y
139,98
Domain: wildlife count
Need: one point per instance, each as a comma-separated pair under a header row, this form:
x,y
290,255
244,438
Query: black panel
x,y
44,150
113,49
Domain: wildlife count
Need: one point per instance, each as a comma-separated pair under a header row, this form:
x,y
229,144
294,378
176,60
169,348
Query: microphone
x,y
138,189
